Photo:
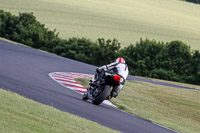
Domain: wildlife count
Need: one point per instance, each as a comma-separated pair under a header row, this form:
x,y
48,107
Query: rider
x,y
120,68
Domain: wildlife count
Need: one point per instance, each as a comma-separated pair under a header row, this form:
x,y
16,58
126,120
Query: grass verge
x,y
175,108
126,20
21,115
6,40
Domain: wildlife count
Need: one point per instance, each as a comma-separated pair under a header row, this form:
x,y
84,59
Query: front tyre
x,y
102,96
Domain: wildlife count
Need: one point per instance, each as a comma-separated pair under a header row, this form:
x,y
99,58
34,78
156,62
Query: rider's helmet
x,y
120,60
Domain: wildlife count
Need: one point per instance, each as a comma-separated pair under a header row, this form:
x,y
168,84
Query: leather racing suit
x,y
120,69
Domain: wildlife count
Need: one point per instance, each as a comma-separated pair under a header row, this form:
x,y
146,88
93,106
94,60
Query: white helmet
x,y
120,60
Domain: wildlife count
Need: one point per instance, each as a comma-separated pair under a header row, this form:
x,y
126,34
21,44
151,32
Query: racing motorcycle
x,y
101,89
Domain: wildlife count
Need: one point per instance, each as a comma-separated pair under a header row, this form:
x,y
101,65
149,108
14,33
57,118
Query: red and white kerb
x,y
68,80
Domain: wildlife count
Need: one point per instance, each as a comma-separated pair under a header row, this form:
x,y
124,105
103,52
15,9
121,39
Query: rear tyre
x,y
102,96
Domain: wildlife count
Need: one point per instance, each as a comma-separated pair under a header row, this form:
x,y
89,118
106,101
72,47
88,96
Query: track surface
x,y
25,71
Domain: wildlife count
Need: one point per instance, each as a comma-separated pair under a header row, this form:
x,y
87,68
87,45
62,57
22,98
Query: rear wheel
x,y
102,96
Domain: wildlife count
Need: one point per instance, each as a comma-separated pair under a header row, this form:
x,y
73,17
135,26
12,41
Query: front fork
x,y
92,92
89,92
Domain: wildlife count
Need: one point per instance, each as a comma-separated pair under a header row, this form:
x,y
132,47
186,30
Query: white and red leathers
x,y
119,67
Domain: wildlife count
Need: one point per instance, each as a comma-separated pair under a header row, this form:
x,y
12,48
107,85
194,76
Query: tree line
x,y
194,1
173,60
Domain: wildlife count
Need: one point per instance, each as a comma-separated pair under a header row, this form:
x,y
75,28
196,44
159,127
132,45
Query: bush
x,y
27,30
170,61
194,1
163,74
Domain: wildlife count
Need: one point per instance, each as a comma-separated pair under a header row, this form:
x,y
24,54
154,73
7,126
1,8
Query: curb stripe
x,y
63,77
74,86
66,81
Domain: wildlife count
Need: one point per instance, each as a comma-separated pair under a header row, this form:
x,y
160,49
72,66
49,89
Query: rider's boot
x,y
115,92
109,97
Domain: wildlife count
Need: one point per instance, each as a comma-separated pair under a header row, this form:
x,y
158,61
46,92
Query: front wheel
x,y
102,96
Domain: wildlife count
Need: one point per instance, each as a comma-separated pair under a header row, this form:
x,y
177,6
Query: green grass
x,y
126,20
21,115
175,108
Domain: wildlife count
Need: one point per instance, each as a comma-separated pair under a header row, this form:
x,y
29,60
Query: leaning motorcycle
x,y
101,89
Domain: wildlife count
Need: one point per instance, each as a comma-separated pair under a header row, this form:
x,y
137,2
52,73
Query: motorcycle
x,y
101,89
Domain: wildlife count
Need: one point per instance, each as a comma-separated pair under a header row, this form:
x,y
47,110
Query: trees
x,y
194,1
170,61
141,57
106,51
175,57
26,29
195,67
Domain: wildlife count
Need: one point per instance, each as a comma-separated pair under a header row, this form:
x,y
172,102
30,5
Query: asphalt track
x,y
25,71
